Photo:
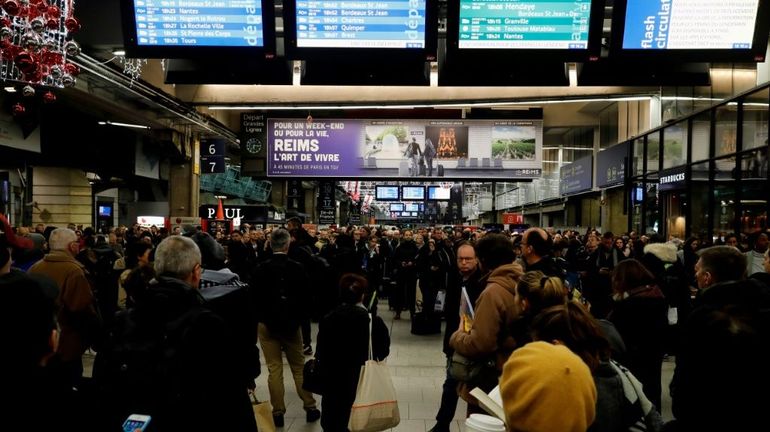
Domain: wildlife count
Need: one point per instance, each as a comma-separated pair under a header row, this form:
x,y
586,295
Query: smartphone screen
x,y
136,423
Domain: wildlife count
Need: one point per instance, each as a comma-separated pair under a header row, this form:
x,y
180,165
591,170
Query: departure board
x,y
538,24
209,23
360,24
690,24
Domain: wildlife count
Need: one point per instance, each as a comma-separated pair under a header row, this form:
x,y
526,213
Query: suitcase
x,y
423,168
426,323
440,170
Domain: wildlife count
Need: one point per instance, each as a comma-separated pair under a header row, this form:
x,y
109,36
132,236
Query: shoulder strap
x,y
371,356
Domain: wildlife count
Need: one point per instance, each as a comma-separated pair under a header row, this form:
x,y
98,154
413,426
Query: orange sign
x,y
513,218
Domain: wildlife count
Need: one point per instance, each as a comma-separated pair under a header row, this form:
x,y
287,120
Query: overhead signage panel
x,y
360,24
537,24
199,23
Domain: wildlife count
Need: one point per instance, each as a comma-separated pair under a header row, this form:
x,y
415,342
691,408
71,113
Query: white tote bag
x,y
375,408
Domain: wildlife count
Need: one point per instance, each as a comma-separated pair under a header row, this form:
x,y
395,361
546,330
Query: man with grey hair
x,y
193,367
282,289
728,331
77,315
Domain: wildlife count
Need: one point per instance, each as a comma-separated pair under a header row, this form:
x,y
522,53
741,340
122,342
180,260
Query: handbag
x,y
440,303
375,407
311,377
475,373
263,413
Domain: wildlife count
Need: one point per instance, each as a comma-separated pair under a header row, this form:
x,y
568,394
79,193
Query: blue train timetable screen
x,y
690,24
361,24
211,23
524,24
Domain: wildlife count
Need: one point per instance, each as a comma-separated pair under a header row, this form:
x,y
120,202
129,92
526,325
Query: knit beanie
x,y
547,388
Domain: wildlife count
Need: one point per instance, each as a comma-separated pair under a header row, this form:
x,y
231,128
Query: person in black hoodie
x,y
342,348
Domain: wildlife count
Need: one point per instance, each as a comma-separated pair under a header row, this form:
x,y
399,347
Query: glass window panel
x,y
724,196
755,119
638,162
653,151
754,191
726,130
701,136
754,164
652,215
700,198
675,145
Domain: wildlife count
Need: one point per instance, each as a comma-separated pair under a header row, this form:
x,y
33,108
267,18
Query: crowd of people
x,y
575,322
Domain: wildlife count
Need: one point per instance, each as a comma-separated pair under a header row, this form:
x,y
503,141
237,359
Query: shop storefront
x,y
704,175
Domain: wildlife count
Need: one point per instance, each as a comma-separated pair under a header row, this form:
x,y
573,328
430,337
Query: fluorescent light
x,y
435,105
119,52
10,89
128,125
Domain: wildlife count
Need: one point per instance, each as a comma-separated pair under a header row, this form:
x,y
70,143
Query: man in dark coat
x,y
725,348
200,389
468,278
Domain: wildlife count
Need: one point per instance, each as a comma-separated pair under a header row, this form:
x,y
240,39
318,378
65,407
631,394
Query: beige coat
x,y
77,315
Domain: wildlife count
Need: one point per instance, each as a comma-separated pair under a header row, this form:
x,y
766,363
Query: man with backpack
x,y
281,288
171,357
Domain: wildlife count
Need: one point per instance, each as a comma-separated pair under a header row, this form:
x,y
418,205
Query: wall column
x,y
184,189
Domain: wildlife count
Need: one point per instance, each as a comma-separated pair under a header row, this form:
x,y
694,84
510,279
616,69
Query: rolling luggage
x,y
440,170
423,169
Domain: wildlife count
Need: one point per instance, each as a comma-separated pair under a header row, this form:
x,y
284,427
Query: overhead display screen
x,y
360,24
689,24
386,193
413,193
537,24
438,193
202,23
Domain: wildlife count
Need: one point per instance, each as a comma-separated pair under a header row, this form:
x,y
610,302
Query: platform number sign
x,y
212,153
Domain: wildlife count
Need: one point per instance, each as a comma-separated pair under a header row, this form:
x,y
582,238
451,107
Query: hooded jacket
x,y
205,381
494,312
231,299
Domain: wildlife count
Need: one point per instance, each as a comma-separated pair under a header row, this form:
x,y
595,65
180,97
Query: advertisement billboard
x,y
345,148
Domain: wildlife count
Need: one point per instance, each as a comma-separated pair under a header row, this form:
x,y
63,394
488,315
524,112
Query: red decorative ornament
x,y
19,109
52,23
12,7
51,57
72,24
26,62
49,97
53,12
42,7
71,69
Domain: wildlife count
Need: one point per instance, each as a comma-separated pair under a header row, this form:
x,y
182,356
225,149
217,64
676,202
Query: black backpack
x,y
140,368
281,302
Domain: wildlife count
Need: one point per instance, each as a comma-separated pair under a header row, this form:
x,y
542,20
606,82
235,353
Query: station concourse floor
x,y
418,368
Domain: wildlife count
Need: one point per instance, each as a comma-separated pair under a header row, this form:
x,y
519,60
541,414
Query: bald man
x,y
536,246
